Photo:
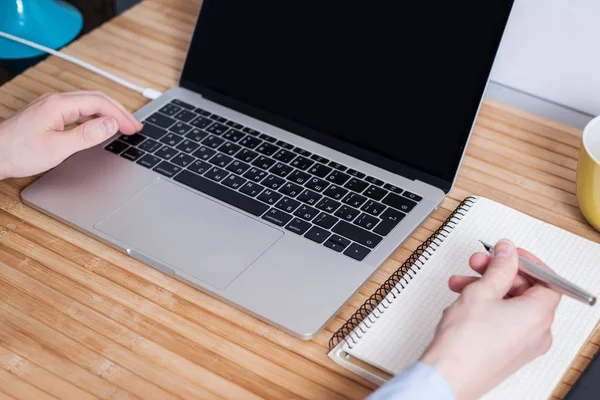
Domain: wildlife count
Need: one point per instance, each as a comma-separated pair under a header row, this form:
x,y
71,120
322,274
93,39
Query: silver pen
x,y
550,279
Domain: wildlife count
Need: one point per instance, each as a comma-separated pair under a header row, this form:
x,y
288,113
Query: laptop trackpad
x,y
189,232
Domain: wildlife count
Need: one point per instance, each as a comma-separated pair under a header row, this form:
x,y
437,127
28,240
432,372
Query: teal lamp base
x,y
52,23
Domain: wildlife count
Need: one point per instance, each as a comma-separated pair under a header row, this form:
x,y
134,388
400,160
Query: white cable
x,y
149,93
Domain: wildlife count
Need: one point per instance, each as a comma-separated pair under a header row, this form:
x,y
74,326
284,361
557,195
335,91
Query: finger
x,y
543,295
457,283
479,263
501,271
105,96
85,135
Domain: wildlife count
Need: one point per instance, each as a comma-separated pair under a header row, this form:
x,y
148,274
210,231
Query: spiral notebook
x,y
393,328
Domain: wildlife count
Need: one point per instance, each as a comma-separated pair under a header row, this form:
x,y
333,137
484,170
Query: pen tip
x,y
485,245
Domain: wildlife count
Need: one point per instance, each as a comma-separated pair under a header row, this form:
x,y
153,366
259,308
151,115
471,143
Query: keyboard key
x,y
319,170
255,174
234,125
185,116
337,166
166,152
220,160
336,243
182,104
246,155
187,146
302,163
222,193
298,226
306,212
250,142
412,196
233,135
204,153
281,170
267,138
356,185
267,149
149,161
374,181
229,148
354,200
355,173
285,145
288,205
373,208
170,109
167,169
273,182
199,167
160,120
180,128
290,189
183,160
277,217
317,234
217,128
171,139
216,174
328,205
238,167
218,118
347,213
375,192
233,181
335,192
399,203
263,162
251,189
132,154
196,135
202,112
325,220
201,122
116,147
213,141
150,145
367,221
250,131
269,196
309,197
357,252
319,159
356,234
389,219
392,188
337,177
132,140
298,177
152,131
316,184
284,156
302,152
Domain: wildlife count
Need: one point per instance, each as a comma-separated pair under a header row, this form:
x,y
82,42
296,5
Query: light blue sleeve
x,y
419,381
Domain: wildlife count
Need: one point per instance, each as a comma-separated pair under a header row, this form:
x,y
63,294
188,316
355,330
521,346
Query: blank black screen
x,y
400,79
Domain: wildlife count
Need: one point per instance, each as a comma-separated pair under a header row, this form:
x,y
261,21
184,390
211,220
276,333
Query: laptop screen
x,y
395,83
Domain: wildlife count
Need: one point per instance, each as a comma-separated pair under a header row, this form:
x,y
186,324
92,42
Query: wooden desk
x,y
79,320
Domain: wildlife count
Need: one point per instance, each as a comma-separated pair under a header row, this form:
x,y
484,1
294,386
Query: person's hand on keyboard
x,y
39,137
499,323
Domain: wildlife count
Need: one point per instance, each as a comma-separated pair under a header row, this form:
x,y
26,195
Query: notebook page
x,y
401,333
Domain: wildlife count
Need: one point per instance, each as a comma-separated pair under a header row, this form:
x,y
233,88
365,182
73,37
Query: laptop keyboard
x,y
287,186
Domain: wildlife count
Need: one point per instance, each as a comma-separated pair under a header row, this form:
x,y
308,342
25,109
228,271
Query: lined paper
x,y
402,331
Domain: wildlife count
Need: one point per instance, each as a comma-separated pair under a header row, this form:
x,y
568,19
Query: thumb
x,y
502,269
89,134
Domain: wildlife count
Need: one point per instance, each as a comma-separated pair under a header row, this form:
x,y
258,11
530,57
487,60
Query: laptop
x,y
305,142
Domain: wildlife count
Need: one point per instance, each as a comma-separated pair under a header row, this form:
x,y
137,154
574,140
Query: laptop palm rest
x,y
173,228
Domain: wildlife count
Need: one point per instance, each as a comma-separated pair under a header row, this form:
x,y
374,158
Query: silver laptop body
x,y
238,242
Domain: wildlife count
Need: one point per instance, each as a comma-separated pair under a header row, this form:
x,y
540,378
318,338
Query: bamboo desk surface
x,y
79,320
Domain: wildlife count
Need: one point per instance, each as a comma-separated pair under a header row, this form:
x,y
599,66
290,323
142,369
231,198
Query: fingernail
x,y
108,126
503,248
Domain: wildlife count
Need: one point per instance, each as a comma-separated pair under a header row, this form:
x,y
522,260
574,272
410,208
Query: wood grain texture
x,y
80,320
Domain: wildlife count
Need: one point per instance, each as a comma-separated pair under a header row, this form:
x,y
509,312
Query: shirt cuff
x,y
419,381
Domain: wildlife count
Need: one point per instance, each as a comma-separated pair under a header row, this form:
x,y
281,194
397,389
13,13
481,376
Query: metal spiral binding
x,y
371,310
